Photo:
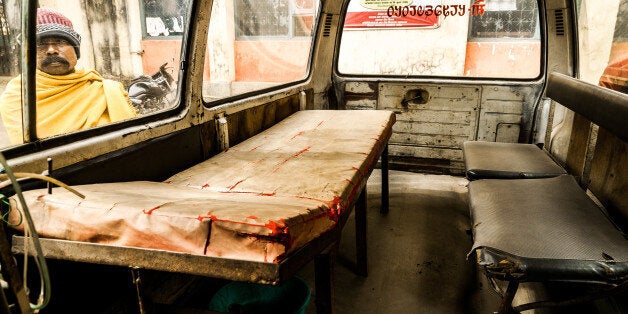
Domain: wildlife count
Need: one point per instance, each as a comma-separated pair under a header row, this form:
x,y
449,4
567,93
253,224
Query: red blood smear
x,y
150,211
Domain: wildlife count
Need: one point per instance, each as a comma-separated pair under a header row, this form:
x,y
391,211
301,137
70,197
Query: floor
x,y
417,253
417,256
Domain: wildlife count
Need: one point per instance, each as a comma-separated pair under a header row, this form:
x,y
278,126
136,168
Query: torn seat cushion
x,y
493,160
545,229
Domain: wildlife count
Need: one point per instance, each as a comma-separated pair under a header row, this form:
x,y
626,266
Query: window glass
x,y
257,44
163,18
97,63
489,39
9,52
604,43
506,19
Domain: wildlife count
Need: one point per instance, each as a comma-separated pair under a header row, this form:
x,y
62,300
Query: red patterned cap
x,y
51,23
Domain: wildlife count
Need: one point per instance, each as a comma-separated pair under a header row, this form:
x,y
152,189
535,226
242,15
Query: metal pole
x,y
49,174
10,270
360,235
385,194
29,16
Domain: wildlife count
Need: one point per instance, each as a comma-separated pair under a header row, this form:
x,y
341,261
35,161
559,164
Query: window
x,y
488,39
91,57
506,19
8,62
615,72
163,18
273,18
262,18
254,45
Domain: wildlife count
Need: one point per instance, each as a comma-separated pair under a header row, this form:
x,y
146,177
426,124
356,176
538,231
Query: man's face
x,y
55,56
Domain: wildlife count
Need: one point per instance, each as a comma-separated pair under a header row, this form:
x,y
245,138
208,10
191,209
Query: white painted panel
x,y
506,132
437,141
425,152
361,104
436,127
452,158
359,87
501,113
432,128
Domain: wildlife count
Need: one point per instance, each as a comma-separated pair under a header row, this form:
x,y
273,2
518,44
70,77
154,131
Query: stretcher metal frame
x,y
320,250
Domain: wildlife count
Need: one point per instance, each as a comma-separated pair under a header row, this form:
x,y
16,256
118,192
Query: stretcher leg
x,y
323,268
360,235
384,208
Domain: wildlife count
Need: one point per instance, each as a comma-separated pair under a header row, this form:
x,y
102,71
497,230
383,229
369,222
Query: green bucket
x,y
291,296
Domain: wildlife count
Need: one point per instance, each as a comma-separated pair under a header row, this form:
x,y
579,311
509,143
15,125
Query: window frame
x,y
37,144
448,79
318,19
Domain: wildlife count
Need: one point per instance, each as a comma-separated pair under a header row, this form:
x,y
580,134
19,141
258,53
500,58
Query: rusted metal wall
x,y
436,128
430,131
246,123
609,175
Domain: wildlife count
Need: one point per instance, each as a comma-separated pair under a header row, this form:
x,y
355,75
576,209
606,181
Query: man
x,y
68,99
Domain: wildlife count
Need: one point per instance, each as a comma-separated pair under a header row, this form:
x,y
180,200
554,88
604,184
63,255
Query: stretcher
x,y
256,212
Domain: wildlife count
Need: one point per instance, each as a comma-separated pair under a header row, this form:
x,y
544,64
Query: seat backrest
x,y
606,171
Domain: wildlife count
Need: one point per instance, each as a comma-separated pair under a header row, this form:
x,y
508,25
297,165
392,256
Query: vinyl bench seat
x,y
493,160
533,222
544,230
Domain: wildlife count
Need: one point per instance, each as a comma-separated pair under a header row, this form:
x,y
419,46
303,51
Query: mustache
x,y
54,58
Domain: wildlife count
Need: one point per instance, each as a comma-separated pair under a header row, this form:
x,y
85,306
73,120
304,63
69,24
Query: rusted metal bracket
x,y
302,100
222,131
137,282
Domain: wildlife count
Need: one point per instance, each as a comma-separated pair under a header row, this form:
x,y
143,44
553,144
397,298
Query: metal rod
x,y
576,300
29,15
302,101
323,271
48,184
4,304
13,277
137,282
222,131
360,235
385,192
506,306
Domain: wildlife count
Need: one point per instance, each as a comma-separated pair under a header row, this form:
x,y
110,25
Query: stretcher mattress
x,y
258,201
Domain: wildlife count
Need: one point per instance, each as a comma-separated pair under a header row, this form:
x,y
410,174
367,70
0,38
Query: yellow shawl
x,y
66,103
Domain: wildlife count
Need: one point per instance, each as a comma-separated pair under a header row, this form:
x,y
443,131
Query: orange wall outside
x,y
615,75
158,52
503,59
271,61
619,52
256,61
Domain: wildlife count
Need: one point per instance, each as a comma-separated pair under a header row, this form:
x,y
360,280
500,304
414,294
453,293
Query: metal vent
x,y
327,25
559,19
